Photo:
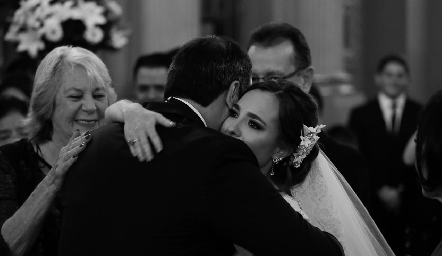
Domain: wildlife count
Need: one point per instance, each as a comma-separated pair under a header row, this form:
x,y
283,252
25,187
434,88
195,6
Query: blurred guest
x,y
12,115
429,154
150,76
18,85
343,135
383,127
280,51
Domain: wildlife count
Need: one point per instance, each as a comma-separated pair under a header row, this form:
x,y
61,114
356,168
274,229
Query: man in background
x,y
150,77
383,127
12,116
280,51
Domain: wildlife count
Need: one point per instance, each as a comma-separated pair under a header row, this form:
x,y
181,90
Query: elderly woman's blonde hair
x,y
47,82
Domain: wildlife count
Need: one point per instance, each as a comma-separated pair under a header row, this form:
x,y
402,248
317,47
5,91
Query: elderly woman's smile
x,y
80,104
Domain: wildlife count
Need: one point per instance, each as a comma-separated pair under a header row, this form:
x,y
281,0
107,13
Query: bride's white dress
x,y
327,201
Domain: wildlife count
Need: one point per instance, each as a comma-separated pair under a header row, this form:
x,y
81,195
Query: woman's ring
x,y
132,142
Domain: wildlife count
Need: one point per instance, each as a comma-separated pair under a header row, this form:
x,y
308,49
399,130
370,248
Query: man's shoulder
x,y
209,140
193,138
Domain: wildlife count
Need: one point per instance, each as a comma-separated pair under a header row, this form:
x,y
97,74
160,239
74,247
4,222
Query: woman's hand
x,y
67,156
21,230
140,131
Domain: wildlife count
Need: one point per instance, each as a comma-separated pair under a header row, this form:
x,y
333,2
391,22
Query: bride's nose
x,y
233,130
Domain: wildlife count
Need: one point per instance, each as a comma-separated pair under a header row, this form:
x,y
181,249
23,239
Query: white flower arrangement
x,y
39,25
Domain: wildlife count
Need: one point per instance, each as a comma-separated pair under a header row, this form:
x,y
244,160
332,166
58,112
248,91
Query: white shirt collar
x,y
193,109
386,102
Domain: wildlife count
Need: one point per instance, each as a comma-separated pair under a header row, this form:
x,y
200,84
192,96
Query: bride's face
x,y
255,120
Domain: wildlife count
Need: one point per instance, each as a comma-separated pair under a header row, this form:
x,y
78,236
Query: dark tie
x,y
393,117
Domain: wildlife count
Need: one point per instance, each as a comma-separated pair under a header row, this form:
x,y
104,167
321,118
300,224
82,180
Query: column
x,y
156,26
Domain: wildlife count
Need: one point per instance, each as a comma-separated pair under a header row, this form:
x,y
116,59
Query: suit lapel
x,y
378,116
406,117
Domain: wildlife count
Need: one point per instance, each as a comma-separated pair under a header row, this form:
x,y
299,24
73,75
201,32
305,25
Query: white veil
x,y
332,206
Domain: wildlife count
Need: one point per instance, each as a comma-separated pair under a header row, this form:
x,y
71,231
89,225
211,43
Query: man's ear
x,y
233,94
307,78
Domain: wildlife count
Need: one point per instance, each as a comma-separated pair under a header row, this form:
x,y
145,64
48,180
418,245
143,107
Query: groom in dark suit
x,y
383,127
202,193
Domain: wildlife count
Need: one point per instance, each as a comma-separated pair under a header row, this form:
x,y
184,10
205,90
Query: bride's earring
x,y
276,160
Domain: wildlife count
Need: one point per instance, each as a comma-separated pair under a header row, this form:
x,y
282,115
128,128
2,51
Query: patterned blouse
x,y
20,173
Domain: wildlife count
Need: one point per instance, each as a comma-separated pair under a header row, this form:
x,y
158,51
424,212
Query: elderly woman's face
x,y
79,104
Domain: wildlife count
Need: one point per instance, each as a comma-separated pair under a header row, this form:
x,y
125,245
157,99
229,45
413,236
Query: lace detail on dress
x,y
317,204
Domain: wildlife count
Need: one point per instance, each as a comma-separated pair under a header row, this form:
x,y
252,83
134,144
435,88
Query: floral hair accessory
x,y
308,141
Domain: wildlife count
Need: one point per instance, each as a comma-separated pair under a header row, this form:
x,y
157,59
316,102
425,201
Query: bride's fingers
x,y
144,145
161,120
152,131
155,139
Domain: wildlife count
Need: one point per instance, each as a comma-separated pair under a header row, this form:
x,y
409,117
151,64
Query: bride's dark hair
x,y
296,108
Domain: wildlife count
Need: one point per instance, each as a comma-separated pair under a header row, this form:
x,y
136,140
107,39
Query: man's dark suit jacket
x,y
350,163
383,151
200,194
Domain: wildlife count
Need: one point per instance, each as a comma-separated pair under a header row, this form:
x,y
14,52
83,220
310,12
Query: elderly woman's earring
x,y
276,160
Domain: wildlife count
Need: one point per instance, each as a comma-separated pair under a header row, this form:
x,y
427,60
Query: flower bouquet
x,y
38,26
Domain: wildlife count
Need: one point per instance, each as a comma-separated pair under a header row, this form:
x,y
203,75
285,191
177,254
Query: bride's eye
x,y
232,113
254,125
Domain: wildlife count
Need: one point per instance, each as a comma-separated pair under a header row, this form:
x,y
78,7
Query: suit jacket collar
x,y
177,111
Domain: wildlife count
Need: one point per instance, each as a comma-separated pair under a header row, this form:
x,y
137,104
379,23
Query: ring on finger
x,y
132,142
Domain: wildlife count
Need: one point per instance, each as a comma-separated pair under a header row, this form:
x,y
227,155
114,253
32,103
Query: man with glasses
x,y
280,51
150,76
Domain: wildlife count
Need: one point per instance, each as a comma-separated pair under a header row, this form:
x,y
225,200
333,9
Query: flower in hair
x,y
308,141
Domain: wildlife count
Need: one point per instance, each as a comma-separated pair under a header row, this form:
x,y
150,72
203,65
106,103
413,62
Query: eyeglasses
x,y
256,79
156,87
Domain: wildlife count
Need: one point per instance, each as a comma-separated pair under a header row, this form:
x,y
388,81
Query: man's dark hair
x,y
205,67
384,61
155,60
272,34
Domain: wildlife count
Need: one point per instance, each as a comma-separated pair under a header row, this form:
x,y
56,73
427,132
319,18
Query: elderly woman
x,y
429,152
72,90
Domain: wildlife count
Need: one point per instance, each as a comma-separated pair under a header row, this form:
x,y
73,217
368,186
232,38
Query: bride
x,y
279,122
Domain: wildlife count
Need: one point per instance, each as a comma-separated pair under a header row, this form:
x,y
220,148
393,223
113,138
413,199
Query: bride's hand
x,y
67,156
140,131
